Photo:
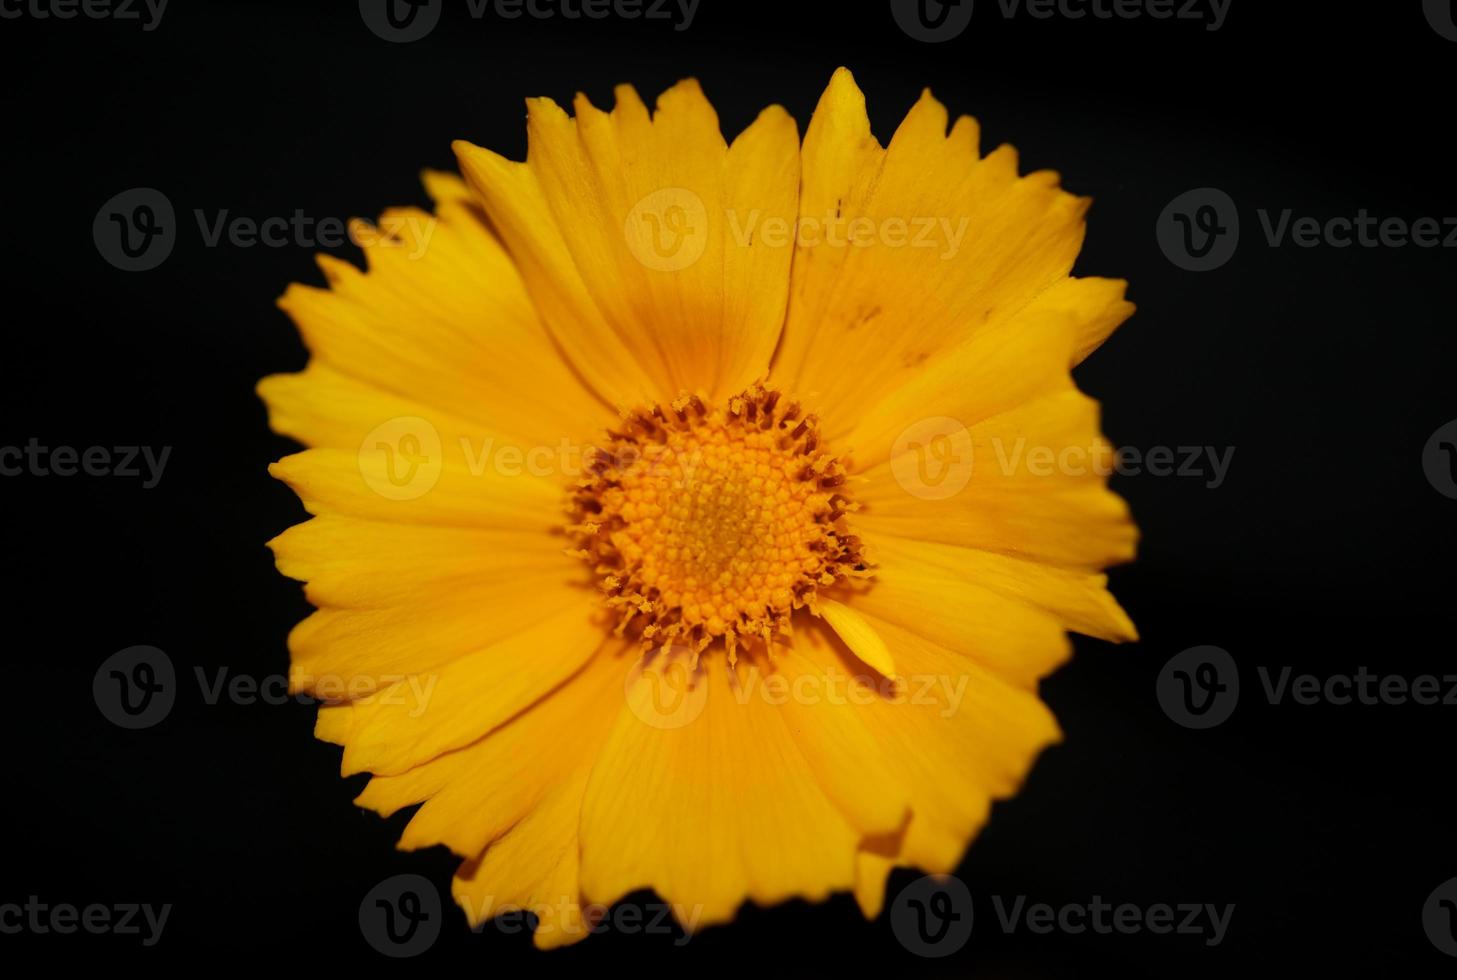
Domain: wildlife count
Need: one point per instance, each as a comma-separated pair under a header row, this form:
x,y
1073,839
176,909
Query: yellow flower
x,y
701,516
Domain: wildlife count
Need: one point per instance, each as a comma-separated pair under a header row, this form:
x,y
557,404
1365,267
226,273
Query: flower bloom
x,y
687,514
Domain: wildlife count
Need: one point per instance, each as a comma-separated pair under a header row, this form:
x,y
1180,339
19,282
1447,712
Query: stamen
x,y
709,524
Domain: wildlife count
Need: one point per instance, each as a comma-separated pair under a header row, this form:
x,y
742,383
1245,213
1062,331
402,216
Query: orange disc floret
x,y
710,523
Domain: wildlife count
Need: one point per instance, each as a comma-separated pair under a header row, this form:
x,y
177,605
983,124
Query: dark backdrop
x,y
1325,549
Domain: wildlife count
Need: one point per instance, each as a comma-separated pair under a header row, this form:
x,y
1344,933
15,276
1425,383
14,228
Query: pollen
x,y
714,523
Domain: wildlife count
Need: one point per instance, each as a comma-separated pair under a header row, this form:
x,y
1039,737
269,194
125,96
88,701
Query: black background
x,y
1325,549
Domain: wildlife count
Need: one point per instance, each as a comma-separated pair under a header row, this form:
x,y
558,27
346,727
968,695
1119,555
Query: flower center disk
x,y
708,523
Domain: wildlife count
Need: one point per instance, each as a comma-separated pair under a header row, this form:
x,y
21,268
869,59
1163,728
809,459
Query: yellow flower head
x,y
700,516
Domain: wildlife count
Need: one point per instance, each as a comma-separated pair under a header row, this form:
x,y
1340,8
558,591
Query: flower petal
x,y
427,712
1035,491
1003,611
474,794
711,812
631,232
397,600
858,636
958,735
510,803
822,703
932,244
445,491
442,317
